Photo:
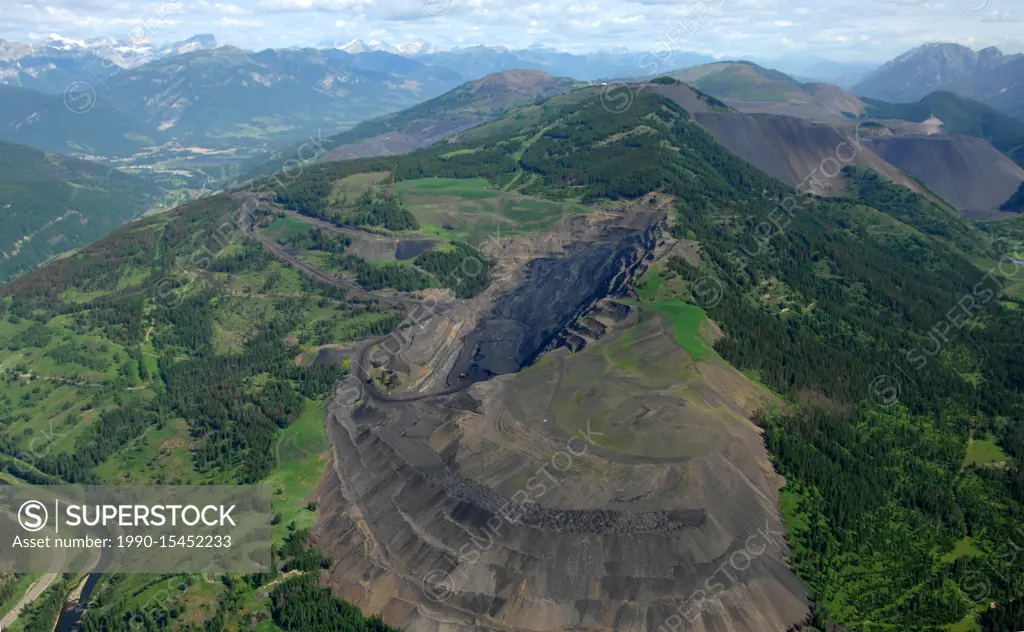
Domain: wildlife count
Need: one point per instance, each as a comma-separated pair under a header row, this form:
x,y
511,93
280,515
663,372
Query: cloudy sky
x,y
845,30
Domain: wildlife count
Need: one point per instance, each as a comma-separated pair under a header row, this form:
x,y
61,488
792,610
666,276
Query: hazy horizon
x,y
872,31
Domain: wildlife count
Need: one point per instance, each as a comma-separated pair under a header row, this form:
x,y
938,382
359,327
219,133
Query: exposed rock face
x,y
526,321
497,505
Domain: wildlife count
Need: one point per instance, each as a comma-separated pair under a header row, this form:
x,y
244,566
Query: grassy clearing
x,y
160,456
686,320
984,452
284,228
358,182
460,152
302,456
472,210
658,283
967,624
1011,275
964,548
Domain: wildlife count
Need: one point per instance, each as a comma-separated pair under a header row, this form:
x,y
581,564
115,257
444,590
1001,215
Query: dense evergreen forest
x,y
463,269
318,239
300,604
371,208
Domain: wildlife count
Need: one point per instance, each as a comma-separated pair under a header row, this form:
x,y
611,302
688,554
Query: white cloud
x,y
249,23
312,5
230,9
835,29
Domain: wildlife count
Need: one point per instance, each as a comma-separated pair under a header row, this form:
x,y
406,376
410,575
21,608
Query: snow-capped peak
x,y
54,40
359,46
419,47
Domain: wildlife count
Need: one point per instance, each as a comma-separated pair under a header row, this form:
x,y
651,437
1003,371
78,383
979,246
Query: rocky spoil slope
x,y
494,505
969,172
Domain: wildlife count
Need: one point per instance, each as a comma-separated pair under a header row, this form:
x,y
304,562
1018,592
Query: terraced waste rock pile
x,y
487,503
620,487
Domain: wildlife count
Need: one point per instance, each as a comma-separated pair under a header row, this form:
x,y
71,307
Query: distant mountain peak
x,y
357,46
58,41
513,78
929,67
203,41
419,47
987,75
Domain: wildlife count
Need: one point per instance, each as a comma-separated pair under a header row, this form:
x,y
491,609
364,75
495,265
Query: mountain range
x,y
189,111
987,75
52,64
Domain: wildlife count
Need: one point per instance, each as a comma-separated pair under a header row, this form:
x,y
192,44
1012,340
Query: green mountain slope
x,y
884,316
744,81
229,97
959,115
467,106
883,320
45,122
50,204
460,110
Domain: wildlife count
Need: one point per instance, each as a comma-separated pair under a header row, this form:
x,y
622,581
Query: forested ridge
x,y
370,209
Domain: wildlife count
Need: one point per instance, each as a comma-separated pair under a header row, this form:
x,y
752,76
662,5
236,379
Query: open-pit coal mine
x,y
555,461
555,292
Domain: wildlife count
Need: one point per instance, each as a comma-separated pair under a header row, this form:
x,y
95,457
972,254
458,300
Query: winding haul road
x,y
34,592
37,588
